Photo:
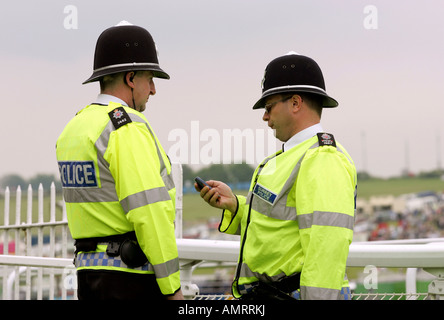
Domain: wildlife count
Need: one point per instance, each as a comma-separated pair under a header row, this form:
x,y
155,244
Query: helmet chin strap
x,y
132,91
132,96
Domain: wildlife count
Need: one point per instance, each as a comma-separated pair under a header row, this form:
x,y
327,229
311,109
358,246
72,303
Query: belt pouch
x,y
131,254
113,248
265,291
85,245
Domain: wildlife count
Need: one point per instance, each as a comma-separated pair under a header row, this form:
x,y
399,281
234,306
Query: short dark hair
x,y
109,80
314,101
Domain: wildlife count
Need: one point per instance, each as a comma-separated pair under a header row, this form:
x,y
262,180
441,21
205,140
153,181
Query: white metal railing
x,y
428,256
51,251
46,271
195,252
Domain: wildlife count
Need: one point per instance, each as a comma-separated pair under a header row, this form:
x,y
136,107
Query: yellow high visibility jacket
x,y
298,217
116,179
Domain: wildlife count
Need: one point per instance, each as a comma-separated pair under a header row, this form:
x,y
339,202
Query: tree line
x,y
432,174
14,180
229,173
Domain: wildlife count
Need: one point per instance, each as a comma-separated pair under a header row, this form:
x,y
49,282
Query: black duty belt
x,y
277,290
123,245
90,244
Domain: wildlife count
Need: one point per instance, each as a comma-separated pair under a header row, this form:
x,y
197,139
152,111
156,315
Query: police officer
x,y
116,178
296,224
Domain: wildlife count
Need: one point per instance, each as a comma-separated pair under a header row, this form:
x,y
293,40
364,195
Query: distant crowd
x,y
427,222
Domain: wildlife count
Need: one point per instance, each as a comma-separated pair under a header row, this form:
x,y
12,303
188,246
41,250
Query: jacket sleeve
x,y
231,221
325,193
134,164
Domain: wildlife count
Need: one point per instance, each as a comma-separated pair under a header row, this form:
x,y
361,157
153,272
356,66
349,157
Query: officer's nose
x,y
152,88
266,116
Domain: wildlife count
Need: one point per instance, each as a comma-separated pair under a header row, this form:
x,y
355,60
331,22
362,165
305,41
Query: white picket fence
x,y
36,262
31,241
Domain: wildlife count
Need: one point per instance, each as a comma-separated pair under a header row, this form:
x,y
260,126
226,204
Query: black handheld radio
x,y
201,183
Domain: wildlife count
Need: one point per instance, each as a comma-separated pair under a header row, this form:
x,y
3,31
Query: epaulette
x,y
326,139
119,117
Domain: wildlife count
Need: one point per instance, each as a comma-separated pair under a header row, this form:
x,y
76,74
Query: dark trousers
x,y
115,285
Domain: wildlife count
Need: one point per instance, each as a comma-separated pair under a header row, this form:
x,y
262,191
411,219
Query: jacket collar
x,y
301,136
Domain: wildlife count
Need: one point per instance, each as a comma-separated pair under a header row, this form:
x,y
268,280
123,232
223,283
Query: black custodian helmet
x,y
294,73
125,47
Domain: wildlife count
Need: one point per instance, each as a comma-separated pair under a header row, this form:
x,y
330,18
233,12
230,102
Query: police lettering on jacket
x,y
77,174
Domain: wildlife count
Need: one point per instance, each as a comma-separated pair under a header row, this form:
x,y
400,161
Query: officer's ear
x,y
296,100
129,79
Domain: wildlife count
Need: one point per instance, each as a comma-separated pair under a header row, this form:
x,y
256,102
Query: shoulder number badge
x,y
119,117
326,139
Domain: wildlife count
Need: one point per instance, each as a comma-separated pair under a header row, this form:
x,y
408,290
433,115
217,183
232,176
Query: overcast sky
x,y
387,73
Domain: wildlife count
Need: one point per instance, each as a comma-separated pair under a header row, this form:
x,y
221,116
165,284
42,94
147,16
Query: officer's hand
x,y
219,196
177,296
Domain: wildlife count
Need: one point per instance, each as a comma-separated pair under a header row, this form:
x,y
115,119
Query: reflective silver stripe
x,y
279,209
166,269
131,64
313,293
322,218
145,197
101,259
107,191
295,87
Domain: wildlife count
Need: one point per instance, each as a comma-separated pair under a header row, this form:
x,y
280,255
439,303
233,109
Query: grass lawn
x,y
396,187
194,208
